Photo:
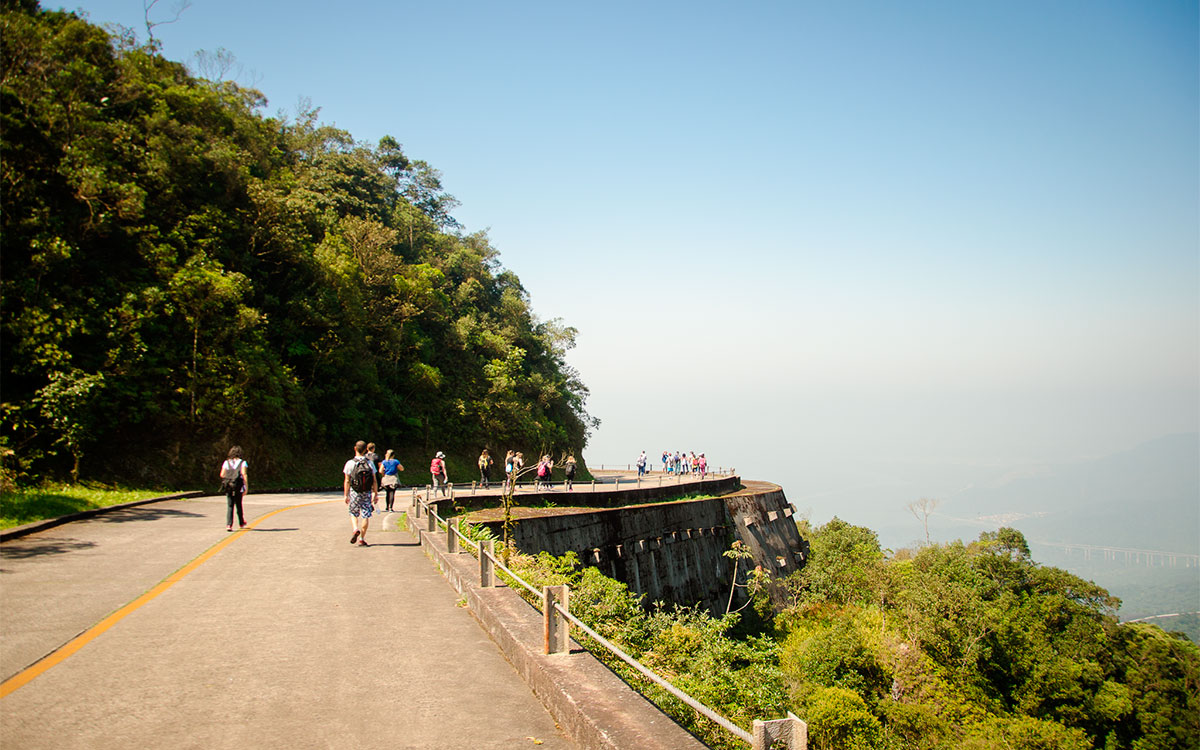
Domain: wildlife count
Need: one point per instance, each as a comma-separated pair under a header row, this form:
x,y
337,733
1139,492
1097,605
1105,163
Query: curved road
x,y
282,635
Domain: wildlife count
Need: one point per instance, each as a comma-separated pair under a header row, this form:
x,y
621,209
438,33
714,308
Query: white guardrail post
x,y
487,571
555,627
792,732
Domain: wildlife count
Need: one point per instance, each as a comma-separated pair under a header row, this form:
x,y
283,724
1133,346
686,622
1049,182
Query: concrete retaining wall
x,y
673,551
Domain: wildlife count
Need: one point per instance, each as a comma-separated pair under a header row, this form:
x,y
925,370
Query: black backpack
x,y
362,479
231,478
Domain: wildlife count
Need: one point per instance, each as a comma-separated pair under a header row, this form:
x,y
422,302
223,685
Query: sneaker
x,y
363,543
354,538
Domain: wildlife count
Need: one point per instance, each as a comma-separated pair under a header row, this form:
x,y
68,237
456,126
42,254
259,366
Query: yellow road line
x,y
81,640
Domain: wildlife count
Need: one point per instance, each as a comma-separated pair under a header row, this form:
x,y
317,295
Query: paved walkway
x,y
286,636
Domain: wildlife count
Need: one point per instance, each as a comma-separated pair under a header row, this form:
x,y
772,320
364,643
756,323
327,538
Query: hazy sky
x,y
805,238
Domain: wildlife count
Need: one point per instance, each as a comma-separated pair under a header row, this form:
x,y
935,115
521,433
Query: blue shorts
x,y
360,504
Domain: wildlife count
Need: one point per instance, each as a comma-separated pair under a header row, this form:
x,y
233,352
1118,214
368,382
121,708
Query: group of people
x,y
514,463
679,462
364,475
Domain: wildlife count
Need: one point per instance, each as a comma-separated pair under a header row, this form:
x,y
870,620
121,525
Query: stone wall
x,y
672,551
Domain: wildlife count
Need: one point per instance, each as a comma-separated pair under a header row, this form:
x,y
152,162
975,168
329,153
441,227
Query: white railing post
x,y
487,571
790,731
556,629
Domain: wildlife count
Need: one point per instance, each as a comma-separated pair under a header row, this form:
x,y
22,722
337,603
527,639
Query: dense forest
x,y
945,647
182,272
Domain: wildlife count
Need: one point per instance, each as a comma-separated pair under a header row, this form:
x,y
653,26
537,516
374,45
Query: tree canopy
x,y
181,272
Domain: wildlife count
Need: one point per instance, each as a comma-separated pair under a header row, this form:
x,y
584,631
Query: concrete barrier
x,y
595,708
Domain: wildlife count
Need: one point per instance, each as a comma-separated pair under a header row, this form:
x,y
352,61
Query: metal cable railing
x,y
704,710
488,558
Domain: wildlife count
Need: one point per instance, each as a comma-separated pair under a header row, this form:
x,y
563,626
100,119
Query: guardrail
x,y
557,621
650,467
607,484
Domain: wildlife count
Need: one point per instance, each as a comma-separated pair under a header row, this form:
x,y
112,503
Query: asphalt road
x,y
282,635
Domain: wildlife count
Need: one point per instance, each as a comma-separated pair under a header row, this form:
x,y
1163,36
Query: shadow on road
x,y
144,513
43,546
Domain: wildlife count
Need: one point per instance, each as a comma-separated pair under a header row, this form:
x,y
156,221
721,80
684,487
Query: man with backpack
x,y
360,489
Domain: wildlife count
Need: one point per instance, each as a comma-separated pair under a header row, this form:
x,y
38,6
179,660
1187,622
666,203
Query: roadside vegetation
x,y
25,505
939,648
183,271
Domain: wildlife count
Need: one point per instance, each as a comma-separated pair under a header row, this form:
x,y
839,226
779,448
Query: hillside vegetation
x,y
952,646
182,272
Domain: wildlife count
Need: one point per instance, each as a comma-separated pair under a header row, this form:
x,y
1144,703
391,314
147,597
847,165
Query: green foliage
x,y
182,273
958,646
839,719
739,678
975,645
844,565
21,506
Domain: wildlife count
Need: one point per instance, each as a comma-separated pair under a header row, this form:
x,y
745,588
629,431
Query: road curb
x,y
596,708
49,523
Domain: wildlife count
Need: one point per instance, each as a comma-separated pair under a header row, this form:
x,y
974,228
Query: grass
x,y
26,505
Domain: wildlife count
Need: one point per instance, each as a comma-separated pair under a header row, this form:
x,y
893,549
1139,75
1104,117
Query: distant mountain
x,y
1145,498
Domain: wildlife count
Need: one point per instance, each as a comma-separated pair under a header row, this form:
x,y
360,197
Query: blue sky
x,y
807,238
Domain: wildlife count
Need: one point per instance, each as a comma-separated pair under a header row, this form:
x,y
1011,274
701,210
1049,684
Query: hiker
x,y
641,464
372,456
702,463
509,458
545,466
667,462
518,464
485,469
235,484
391,469
437,468
570,469
360,490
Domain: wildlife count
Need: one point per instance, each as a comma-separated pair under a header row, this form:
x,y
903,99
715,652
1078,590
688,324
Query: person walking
x,y
390,469
545,466
509,459
703,464
641,464
372,456
235,483
570,471
485,469
518,464
437,468
360,490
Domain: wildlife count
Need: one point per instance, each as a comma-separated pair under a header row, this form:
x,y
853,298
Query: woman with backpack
x,y
437,469
235,484
545,466
570,472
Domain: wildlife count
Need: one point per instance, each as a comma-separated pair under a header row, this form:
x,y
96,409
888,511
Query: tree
x,y
231,273
921,510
